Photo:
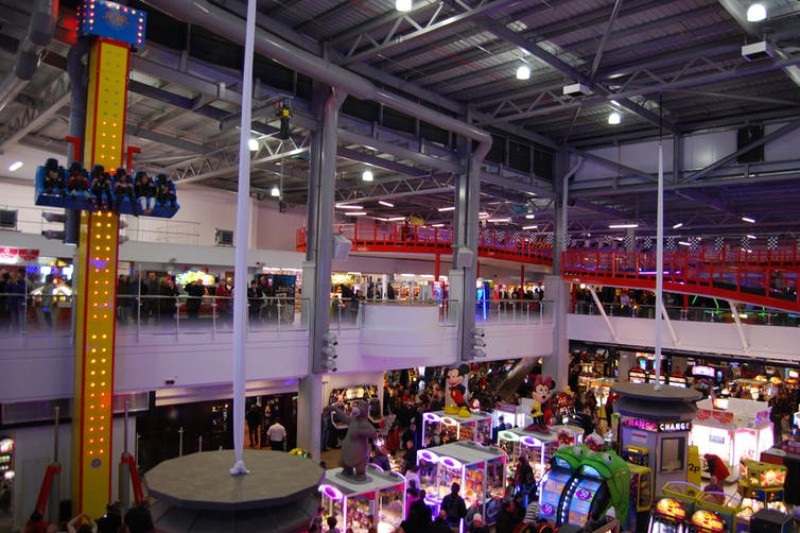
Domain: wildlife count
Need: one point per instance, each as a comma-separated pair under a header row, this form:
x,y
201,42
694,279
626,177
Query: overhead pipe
x,y
203,13
40,32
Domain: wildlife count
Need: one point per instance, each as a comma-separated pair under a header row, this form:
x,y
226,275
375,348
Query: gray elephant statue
x,y
355,446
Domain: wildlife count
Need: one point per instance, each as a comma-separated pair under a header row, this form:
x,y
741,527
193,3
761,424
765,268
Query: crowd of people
x,y
137,519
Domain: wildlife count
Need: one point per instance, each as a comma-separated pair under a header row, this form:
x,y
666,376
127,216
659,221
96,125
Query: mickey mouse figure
x,y
540,409
457,381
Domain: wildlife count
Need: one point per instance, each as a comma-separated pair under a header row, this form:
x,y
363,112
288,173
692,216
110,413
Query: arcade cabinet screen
x,y
550,494
581,504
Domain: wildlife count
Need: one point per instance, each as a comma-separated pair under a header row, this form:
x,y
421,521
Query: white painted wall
x,y
765,342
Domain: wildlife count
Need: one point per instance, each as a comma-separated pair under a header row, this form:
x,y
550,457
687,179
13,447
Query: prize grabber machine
x,y
111,30
761,487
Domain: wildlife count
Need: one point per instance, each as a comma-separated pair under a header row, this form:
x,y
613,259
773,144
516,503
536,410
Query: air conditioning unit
x,y
8,219
223,237
341,247
577,89
756,51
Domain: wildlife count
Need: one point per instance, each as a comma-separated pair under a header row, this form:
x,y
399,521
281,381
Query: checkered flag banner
x,y
745,243
549,238
647,243
772,243
694,243
628,241
567,240
670,244
719,244
607,240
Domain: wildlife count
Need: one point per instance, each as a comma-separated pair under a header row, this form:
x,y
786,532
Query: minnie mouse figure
x,y
540,409
457,381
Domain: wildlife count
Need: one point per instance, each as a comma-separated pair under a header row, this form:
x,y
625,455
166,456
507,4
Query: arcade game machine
x,y
733,429
641,498
677,379
725,506
707,521
669,516
761,486
379,502
638,455
476,428
637,375
582,484
538,448
478,469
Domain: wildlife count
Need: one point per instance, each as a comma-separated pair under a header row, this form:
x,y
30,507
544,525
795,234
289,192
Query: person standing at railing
x,y
223,297
254,301
195,290
15,289
47,300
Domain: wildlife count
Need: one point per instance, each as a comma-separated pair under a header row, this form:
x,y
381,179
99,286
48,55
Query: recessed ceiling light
x,y
355,214
530,227
367,175
678,225
387,204
523,72
499,220
403,6
444,209
275,192
349,206
395,219
614,118
253,145
437,225
16,165
749,220
530,216
684,243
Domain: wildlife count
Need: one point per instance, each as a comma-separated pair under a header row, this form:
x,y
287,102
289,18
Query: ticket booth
x,y
659,420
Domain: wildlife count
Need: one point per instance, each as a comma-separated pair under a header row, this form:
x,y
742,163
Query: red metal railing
x,y
761,276
398,238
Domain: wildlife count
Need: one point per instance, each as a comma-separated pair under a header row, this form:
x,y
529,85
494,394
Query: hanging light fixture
x,y
614,118
367,175
756,12
253,145
404,6
275,192
523,72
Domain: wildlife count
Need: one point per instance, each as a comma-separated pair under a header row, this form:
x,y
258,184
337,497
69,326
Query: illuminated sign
x,y
110,19
704,371
331,492
654,426
708,521
670,508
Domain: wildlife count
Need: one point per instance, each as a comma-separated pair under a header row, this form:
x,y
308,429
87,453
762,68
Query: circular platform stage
x,y
197,493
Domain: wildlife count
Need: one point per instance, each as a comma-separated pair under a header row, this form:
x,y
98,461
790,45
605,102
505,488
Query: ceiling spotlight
x,y
275,192
395,219
678,225
355,214
448,208
367,175
523,72
16,165
253,145
614,118
749,220
348,206
403,6
385,203
530,227
751,236
530,216
756,12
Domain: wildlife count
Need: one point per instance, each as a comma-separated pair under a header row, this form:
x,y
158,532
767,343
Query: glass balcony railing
x,y
695,314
